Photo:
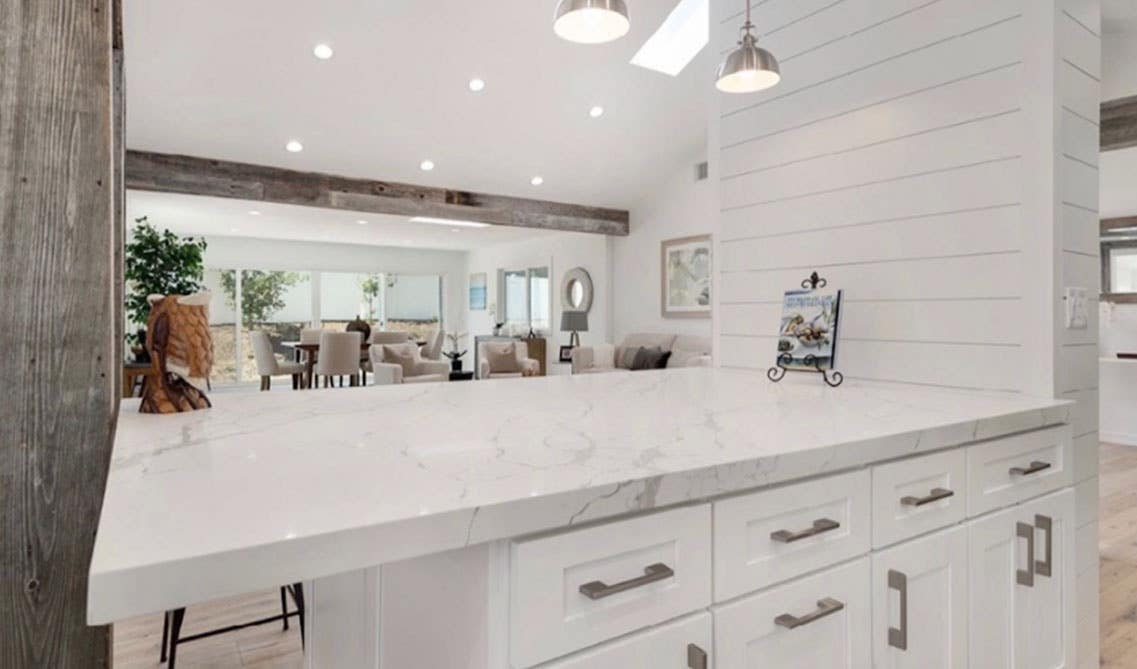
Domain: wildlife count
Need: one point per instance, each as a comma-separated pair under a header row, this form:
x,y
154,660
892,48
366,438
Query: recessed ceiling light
x,y
447,221
234,229
322,51
596,112
254,212
361,222
476,85
537,180
426,165
294,146
455,229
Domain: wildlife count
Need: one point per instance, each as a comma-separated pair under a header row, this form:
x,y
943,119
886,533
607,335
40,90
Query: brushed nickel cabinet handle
x,y
696,657
1045,566
652,573
1026,576
1035,467
825,607
934,496
898,636
820,525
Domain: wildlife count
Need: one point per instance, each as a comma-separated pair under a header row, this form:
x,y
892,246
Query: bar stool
x,y
172,625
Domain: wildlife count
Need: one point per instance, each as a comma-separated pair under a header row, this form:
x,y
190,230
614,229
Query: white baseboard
x,y
1123,438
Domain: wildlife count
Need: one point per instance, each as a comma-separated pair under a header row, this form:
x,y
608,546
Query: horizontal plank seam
x,y
1080,69
877,340
1077,21
877,103
1079,160
881,142
878,261
1073,112
876,182
872,65
885,300
879,221
1081,253
1075,205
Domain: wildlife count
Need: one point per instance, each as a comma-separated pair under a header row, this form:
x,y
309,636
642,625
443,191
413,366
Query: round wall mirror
x,y
576,290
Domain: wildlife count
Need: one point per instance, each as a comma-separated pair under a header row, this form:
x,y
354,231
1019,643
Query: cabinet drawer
x,y
918,495
775,535
821,621
1006,471
573,590
682,644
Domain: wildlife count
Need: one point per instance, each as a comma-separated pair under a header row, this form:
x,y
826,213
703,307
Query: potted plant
x,y
453,354
157,262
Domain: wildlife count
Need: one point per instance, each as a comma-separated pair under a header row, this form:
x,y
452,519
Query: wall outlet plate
x,y
1077,316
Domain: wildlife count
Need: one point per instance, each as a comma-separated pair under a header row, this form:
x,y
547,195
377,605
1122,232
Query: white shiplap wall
x,y
890,159
937,160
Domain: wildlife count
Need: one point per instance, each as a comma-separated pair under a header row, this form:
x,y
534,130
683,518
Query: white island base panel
x,y
262,490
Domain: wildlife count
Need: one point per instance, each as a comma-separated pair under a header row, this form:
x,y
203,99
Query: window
x,y
525,300
414,304
1119,266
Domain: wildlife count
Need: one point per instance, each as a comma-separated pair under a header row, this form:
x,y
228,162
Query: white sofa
x,y
686,351
527,366
387,372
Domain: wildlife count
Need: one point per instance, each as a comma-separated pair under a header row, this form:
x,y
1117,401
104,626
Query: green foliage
x,y
262,293
373,291
159,262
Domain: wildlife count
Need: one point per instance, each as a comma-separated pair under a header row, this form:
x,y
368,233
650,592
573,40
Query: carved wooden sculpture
x,y
181,351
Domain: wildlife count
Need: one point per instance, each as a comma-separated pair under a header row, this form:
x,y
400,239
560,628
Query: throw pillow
x,y
502,358
627,357
403,355
647,358
681,357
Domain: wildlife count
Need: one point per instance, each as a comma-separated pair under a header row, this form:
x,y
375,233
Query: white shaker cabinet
x,y
681,644
817,622
1022,599
919,603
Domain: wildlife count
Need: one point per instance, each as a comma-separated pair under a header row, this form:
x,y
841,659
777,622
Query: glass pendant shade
x,y
591,21
748,69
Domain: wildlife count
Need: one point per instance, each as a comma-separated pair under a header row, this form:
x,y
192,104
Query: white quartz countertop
x,y
272,488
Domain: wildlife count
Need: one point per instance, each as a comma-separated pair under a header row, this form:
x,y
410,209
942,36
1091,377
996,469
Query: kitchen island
x,y
476,490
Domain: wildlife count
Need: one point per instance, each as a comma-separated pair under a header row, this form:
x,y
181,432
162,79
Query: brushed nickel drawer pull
x,y
934,496
898,636
652,573
1035,467
1045,567
820,525
1026,576
825,607
696,657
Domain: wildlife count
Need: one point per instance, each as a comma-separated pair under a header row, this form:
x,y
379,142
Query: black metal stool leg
x,y
165,634
284,608
175,633
297,591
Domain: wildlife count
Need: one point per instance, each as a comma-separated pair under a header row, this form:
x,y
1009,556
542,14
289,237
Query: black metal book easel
x,y
832,377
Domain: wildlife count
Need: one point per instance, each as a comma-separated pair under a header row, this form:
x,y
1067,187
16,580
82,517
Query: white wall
x,y
1119,58
249,253
677,207
560,252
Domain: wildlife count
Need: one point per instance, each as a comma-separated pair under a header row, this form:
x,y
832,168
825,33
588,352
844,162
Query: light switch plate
x,y
1077,316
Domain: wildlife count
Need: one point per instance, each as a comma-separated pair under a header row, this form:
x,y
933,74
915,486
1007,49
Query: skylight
x,y
681,37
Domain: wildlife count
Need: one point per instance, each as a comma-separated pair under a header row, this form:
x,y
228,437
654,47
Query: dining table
x,y
300,348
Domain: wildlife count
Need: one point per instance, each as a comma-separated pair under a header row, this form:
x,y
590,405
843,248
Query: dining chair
x,y
268,365
339,357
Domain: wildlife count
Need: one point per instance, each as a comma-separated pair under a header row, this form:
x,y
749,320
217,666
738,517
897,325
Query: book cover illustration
x,y
807,338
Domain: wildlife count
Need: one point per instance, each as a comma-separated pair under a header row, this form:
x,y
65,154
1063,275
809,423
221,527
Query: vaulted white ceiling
x,y
236,79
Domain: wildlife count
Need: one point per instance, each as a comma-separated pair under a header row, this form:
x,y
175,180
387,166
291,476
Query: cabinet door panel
x,y
813,634
996,553
923,603
1045,627
668,646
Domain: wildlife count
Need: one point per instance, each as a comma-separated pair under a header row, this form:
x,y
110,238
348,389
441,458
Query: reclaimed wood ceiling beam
x,y
190,175
1119,124
1108,225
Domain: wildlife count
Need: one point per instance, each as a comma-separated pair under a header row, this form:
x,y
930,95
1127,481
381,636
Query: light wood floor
x,y
267,647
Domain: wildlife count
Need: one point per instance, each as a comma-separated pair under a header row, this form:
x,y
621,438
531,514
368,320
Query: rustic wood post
x,y
58,285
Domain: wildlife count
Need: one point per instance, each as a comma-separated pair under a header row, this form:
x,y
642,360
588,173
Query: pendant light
x,y
591,21
749,68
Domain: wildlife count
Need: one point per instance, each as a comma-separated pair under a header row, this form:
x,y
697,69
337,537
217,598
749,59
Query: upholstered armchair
x,y
505,359
402,363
